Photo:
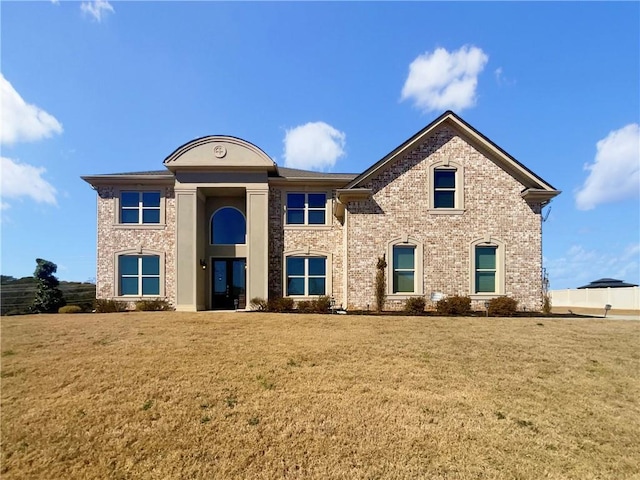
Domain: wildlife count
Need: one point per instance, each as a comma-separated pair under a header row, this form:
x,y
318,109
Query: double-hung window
x,y
404,269
306,276
139,275
140,207
485,269
444,188
306,208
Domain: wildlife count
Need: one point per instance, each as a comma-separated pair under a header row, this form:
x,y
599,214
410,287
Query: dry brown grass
x,y
173,395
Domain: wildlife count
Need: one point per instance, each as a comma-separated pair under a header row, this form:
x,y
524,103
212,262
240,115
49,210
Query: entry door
x,y
229,283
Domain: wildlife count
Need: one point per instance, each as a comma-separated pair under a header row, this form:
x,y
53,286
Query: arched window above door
x,y
228,227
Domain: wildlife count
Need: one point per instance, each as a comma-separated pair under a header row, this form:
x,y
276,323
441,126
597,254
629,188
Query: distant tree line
x,y
43,292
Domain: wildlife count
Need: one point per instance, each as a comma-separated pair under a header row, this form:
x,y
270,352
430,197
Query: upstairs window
x,y
444,188
140,207
306,276
306,208
139,275
228,227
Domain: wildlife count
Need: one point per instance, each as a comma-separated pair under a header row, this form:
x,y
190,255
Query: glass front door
x,y
229,283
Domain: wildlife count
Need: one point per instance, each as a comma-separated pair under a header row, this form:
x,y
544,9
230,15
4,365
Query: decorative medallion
x,y
219,151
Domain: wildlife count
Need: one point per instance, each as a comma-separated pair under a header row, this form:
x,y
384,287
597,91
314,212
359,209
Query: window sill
x,y
446,211
403,296
307,227
139,226
485,296
305,298
137,298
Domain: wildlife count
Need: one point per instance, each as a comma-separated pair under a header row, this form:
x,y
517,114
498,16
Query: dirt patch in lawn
x,y
234,395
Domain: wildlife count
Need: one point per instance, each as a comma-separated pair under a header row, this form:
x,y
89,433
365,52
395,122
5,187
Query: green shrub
x,y
454,305
414,305
70,309
155,305
502,307
103,305
280,304
259,304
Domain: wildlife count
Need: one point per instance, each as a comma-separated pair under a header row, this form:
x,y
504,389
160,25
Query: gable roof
x,y
539,188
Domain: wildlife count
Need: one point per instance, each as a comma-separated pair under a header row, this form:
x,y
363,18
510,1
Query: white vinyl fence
x,y
625,298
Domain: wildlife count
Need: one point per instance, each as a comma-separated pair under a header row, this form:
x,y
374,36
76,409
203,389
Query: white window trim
x,y
487,241
418,267
211,227
306,253
143,226
459,190
137,252
328,217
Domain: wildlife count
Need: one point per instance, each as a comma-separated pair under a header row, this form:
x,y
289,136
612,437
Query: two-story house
x,y
451,212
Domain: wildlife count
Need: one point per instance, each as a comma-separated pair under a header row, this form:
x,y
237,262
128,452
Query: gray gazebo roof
x,y
608,283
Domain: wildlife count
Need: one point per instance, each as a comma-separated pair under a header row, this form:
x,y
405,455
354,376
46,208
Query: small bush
x,y
546,304
321,304
280,304
70,309
502,307
104,305
454,305
155,305
414,305
305,306
259,304
318,305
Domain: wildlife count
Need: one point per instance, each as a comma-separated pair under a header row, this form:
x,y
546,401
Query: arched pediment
x,y
218,152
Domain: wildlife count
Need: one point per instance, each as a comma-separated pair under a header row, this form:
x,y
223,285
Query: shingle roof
x,y
286,172
149,172
608,283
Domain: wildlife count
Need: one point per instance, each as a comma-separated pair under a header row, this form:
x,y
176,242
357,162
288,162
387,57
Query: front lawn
x,y
264,396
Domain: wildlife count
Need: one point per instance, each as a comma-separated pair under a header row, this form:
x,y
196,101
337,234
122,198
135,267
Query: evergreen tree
x,y
49,297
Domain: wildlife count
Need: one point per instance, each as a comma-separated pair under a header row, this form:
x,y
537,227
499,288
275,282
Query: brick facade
x,y
500,203
112,238
400,206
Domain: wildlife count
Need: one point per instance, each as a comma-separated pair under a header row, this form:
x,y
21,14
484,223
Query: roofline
x,y
126,178
477,138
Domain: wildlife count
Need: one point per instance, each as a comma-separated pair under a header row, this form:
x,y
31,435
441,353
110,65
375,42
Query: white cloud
x,y
97,9
579,265
313,146
22,121
615,174
23,180
442,80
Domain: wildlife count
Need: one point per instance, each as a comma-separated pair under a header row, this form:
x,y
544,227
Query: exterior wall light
x,y
203,264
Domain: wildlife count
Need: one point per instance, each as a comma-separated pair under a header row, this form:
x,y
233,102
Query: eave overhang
x,y
124,179
537,195
346,195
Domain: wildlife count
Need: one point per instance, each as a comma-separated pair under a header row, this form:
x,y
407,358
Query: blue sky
x,y
99,87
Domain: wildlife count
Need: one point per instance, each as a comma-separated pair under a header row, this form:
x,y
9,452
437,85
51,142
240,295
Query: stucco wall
x,y
399,206
112,238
